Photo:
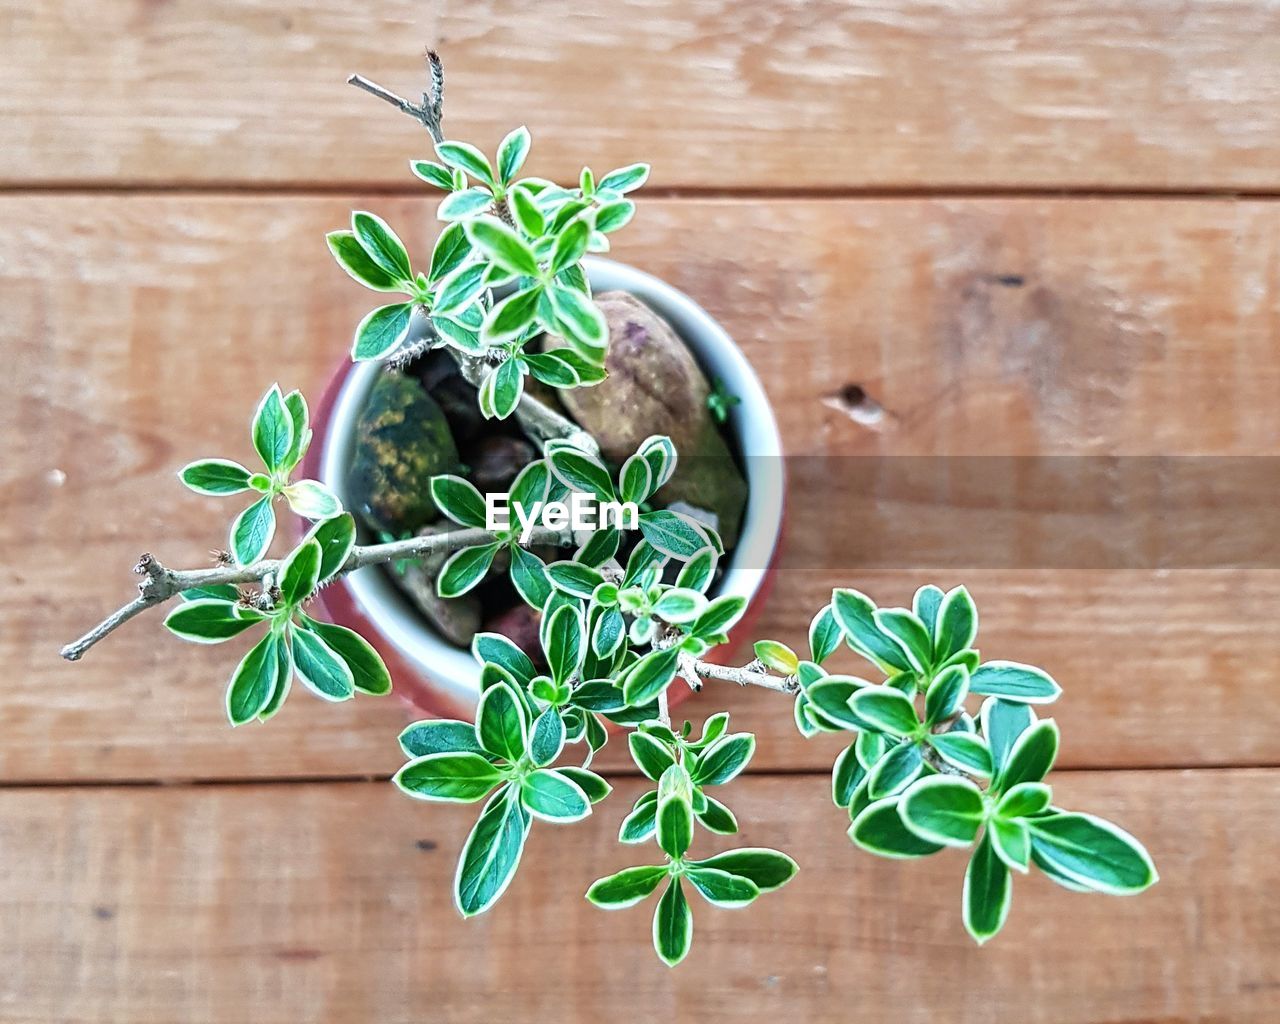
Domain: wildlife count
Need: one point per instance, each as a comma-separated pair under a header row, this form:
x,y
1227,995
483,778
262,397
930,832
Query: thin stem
x,y
664,710
159,583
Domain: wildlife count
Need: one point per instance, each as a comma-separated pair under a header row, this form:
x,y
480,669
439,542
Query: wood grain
x,y
139,331
739,94
331,902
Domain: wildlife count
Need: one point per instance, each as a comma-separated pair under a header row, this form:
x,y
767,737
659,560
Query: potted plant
x,y
944,749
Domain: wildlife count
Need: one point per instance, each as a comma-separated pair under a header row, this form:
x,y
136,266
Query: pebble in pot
x,y
402,441
455,618
656,387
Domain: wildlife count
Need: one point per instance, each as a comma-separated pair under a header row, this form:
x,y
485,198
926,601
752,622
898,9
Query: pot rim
x,y
751,423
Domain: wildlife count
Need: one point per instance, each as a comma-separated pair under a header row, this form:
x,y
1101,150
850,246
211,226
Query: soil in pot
x,y
422,419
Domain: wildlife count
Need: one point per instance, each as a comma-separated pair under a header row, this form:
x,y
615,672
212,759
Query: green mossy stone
x,y
402,441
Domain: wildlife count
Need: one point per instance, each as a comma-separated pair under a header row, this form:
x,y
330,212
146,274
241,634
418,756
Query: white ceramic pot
x,y
447,677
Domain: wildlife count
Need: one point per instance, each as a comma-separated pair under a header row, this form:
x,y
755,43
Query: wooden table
x,y
1020,228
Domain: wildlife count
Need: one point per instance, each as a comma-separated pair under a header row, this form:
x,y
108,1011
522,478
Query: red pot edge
x,y
336,603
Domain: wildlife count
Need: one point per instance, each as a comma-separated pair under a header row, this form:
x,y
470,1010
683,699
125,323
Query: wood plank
x,y
264,903
140,330
716,93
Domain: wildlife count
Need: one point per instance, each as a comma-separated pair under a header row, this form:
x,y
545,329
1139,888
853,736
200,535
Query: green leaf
x,y
824,635
988,892
624,179
283,680
673,925
724,759
529,576
439,736
957,625
382,331
458,206
312,500
501,725
336,537
459,500
546,740
1032,755
210,620
252,531
887,709
589,782
612,216
640,824
600,547
465,157
220,591
830,698
1002,723
879,829
512,317
215,477
943,809
673,534
368,673
565,643
1024,800
526,211
272,429
459,778
511,154
254,681
352,258
570,247
855,612
678,605
300,573
964,750
491,854
895,771
766,869
716,817
721,889
650,755
1014,682
721,615
320,668
581,472
909,633
297,408
382,244
500,391
452,249
433,174
1092,852
548,795
946,694
497,649
574,578
627,888
1011,842
675,811
846,773
502,246
459,290
580,318
465,569
650,676
926,604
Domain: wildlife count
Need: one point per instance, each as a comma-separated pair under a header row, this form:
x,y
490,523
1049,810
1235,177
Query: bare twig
x,y
751,674
431,111
160,583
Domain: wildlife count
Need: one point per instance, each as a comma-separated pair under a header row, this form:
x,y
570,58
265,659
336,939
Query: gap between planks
x,y
609,774
853,192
